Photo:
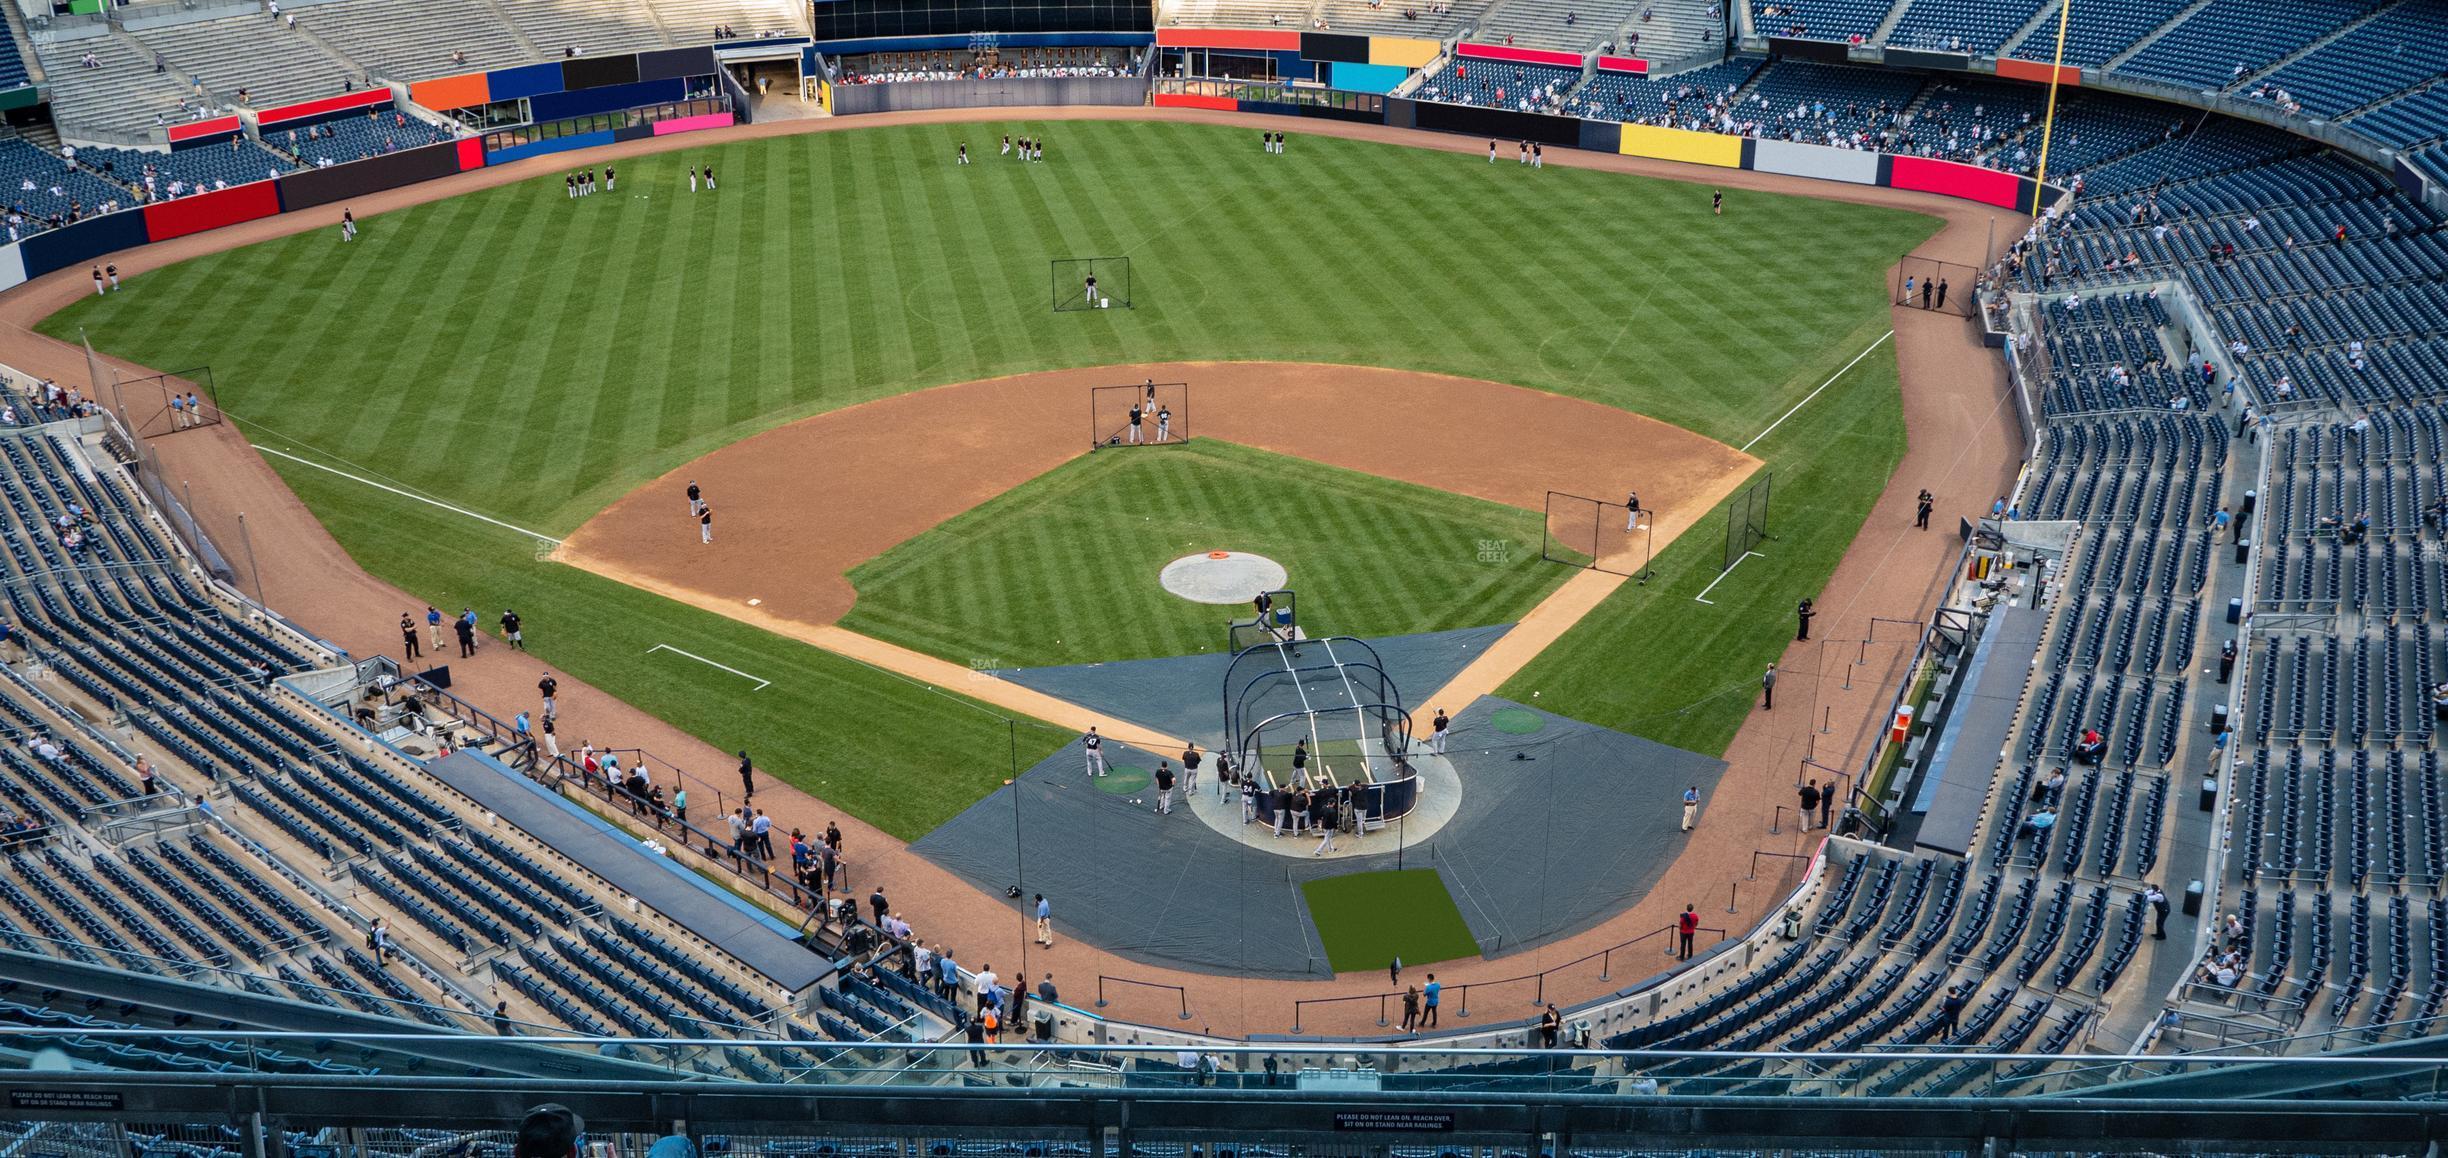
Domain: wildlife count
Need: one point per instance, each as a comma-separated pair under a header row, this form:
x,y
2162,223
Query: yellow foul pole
x,y
2048,123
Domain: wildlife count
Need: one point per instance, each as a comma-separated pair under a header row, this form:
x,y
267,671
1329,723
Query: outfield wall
x,y
1004,92
1818,162
90,239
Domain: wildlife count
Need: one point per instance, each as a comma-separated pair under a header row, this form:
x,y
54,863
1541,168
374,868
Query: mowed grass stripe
x,y
1065,568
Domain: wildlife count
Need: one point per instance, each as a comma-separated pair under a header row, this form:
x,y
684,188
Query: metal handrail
x,y
1461,990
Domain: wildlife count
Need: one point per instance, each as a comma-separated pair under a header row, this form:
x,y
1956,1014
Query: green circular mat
x,y
1121,780
1516,721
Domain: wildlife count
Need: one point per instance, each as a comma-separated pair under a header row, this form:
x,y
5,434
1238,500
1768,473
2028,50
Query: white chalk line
x,y
1721,577
1806,399
536,535
761,684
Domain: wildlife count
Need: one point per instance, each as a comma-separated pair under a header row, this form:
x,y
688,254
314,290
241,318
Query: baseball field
x,y
533,359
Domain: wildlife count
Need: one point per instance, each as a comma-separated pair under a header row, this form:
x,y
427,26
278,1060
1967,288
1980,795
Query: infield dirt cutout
x,y
798,506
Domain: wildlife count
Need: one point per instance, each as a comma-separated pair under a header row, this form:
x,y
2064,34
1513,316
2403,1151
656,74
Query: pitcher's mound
x,y
1222,576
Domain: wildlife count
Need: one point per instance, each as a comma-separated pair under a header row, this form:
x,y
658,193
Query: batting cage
x,y
1929,278
1091,283
1148,414
1319,713
1747,520
1597,534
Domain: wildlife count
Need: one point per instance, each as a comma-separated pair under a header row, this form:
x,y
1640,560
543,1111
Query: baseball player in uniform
x,y
1436,733
1164,424
1094,746
1137,416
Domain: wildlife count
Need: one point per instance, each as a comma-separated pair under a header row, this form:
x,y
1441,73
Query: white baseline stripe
x,y
410,495
761,684
1815,393
1702,597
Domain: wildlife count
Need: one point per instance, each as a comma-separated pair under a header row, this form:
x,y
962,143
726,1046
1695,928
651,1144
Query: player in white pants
x,y
1094,746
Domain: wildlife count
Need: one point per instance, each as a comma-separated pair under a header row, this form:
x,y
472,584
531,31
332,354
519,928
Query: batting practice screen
x,y
1597,534
1076,278
1926,274
1747,520
1163,419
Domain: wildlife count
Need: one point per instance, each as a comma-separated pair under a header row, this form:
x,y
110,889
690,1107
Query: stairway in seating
x,y
2319,44
2043,20
2154,34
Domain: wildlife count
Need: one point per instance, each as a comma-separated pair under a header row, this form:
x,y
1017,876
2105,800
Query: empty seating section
x,y
557,27
39,187
2204,49
694,21
2394,50
1572,25
1848,20
2417,119
1417,18
1671,30
2099,31
1868,973
354,138
1979,27
123,93
414,42
218,903
1657,29
272,65
1500,85
13,72
1242,14
164,175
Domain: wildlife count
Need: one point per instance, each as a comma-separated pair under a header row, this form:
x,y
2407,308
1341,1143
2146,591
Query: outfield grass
x,y
1366,920
532,358
1064,568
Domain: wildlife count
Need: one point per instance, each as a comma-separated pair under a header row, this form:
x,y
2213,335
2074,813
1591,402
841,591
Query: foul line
x,y
1722,574
1814,394
408,494
761,684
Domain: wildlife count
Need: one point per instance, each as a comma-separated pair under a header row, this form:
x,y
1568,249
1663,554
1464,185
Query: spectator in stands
x,y
2091,747
2037,825
974,1028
